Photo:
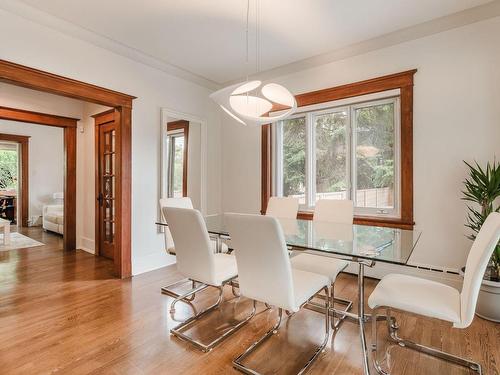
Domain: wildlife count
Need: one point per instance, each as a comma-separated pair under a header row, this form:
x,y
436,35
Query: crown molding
x,y
34,15
438,25
455,20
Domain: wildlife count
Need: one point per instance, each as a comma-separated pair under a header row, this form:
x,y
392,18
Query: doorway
x,y
14,178
20,75
10,162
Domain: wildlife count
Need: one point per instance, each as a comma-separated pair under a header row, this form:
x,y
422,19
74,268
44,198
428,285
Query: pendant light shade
x,y
249,101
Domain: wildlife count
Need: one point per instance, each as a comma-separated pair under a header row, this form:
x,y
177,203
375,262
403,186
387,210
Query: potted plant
x,y
482,188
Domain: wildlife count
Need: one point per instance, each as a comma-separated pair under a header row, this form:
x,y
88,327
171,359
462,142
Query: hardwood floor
x,y
64,313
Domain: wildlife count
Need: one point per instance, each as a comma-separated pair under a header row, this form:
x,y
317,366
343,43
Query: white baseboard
x,y
151,262
87,244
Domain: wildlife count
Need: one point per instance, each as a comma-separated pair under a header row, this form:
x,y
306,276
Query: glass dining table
x,y
361,244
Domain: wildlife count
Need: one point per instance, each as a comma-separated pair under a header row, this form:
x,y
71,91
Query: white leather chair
x,y
335,212
265,274
286,208
436,300
183,202
197,261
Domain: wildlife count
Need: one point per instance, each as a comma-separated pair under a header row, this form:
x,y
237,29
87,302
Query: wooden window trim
x,y
184,125
402,81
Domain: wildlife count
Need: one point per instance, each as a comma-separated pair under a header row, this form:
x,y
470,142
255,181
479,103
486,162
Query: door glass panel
x,y
108,185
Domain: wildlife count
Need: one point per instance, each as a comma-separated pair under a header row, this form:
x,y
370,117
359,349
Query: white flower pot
x,y
488,303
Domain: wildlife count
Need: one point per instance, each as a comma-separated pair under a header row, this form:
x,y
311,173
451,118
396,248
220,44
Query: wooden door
x,y
105,128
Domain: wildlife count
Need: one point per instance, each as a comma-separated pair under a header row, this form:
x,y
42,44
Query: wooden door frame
x,y
35,79
23,142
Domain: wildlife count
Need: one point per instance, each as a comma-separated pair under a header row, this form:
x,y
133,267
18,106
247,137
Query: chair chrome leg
x,y
341,317
392,328
237,362
208,347
183,297
234,286
167,290
341,314
376,364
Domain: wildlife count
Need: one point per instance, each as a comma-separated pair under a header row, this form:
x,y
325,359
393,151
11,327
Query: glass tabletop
x,y
382,244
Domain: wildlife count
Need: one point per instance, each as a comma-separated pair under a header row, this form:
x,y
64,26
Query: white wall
x,y
194,164
41,47
456,117
85,178
46,174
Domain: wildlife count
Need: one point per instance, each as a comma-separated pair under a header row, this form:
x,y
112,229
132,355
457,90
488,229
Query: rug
x,y
18,241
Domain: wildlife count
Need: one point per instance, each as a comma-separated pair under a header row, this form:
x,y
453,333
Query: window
x,y
177,138
341,152
358,145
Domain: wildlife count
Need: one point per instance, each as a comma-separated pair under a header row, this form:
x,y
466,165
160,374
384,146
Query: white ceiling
x,y
207,37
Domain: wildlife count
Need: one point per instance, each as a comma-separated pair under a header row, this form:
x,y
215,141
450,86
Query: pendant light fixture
x,y
249,102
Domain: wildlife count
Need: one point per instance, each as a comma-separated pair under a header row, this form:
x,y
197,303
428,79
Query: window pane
x,y
178,166
294,158
375,156
331,152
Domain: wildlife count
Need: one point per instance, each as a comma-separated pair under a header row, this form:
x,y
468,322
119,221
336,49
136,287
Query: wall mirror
x,y
183,157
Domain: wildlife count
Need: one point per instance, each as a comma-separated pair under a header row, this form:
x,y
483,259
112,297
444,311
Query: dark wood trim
x,y
123,217
122,103
14,138
102,118
106,116
69,188
366,220
369,86
35,79
402,81
97,224
23,142
39,118
266,167
184,125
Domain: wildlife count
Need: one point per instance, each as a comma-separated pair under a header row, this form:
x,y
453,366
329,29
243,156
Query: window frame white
x,y
349,106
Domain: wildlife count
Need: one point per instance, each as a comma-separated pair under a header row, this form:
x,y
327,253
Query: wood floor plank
x,y
64,312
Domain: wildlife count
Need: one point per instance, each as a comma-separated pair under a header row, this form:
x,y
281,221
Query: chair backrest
x,y
283,207
477,261
184,202
195,257
334,211
264,270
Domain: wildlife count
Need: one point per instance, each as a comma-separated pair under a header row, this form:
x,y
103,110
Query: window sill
x,y
368,220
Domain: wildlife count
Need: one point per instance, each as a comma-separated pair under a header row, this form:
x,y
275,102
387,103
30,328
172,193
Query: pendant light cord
x,y
247,51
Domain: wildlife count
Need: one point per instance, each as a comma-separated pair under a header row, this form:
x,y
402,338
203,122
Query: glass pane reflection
x,y
379,243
